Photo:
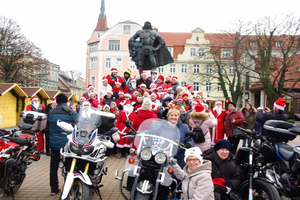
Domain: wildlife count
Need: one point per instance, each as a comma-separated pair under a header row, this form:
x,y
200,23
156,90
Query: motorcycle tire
x,y
140,196
261,190
79,191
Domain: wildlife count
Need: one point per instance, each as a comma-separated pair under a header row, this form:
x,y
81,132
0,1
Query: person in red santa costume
x,y
37,107
113,77
219,112
90,88
126,114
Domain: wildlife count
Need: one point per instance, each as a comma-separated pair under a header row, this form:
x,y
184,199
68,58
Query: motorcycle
x,y
283,169
148,174
17,151
83,157
251,162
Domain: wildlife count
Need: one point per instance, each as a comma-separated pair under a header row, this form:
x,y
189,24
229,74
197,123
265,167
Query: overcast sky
x,y
61,28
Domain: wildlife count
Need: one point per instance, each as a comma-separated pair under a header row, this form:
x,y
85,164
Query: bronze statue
x,y
150,51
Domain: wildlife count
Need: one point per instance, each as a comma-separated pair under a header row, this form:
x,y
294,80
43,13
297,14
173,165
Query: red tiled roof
x,y
52,93
101,24
30,91
4,87
62,86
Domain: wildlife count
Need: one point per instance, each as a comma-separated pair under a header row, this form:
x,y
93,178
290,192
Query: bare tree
x,y
20,60
74,74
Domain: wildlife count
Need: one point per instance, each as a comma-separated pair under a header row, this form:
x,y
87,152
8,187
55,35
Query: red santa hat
x,y
145,93
142,85
175,78
228,100
198,95
114,103
161,77
106,106
159,87
34,98
99,106
189,87
152,84
153,94
86,103
118,83
89,86
199,108
113,70
92,92
219,102
143,73
138,107
121,92
109,91
185,86
169,77
169,87
179,99
139,97
127,95
53,100
135,92
104,79
185,94
132,80
280,103
82,98
128,103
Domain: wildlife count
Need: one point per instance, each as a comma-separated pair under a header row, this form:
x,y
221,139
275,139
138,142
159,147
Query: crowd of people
x,y
140,98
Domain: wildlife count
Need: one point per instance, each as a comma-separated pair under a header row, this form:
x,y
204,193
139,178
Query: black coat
x,y
107,100
262,117
147,82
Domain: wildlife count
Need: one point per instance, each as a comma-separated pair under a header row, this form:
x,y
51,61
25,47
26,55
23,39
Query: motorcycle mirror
x,y
113,130
128,123
297,117
189,134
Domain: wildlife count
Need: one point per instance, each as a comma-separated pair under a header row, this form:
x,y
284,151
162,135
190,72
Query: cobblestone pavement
x,y
36,184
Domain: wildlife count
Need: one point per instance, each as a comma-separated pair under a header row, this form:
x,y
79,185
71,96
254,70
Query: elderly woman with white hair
x,y
196,176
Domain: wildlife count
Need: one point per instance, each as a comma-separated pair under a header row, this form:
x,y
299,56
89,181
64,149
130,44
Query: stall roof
x,y
71,96
53,93
6,87
32,91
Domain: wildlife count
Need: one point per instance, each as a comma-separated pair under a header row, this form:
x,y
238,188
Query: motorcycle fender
x,y
253,181
145,187
70,179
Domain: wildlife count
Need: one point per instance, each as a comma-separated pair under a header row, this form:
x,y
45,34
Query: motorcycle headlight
x,y
87,150
146,154
160,158
74,148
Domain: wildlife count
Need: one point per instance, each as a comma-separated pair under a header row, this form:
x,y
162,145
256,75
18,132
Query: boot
x,y
126,151
120,154
118,151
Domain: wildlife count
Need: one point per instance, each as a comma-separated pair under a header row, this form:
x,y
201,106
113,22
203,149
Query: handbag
x,y
116,137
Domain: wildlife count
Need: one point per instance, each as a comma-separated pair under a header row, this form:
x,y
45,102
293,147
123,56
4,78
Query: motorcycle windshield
x,y
89,120
159,136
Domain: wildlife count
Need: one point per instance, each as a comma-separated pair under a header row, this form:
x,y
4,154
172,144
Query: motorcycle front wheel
x,y
79,191
261,190
140,196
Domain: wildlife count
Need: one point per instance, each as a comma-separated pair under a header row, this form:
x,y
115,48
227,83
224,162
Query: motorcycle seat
x,y
26,127
286,151
18,140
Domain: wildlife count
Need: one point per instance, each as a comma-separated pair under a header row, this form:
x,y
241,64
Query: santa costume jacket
x,y
219,130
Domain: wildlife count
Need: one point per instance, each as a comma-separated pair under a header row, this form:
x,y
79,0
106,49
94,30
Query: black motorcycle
x,y
250,163
150,176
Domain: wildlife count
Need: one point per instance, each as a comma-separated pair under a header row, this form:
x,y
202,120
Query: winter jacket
x,y
147,82
174,86
94,103
197,184
104,89
250,118
113,79
262,117
107,100
183,128
57,139
209,122
225,169
142,116
239,120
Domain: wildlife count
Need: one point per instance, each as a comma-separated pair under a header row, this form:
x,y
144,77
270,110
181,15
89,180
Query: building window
x,y
201,52
93,47
208,87
278,44
93,81
253,44
184,68
209,69
93,63
132,64
226,53
183,83
126,29
196,69
161,69
119,63
114,45
193,52
108,63
231,69
172,68
219,88
196,86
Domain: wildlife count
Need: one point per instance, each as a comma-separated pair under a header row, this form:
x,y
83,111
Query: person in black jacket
x,y
46,131
145,80
264,114
224,173
108,98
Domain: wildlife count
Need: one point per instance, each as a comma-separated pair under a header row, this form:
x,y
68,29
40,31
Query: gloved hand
x,y
172,161
227,183
91,100
221,190
188,145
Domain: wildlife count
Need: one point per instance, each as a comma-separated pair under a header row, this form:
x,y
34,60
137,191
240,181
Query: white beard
x,y
133,85
36,105
218,109
128,109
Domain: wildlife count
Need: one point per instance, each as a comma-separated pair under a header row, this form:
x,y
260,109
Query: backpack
x,y
198,135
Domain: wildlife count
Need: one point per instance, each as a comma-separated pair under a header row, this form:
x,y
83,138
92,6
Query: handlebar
x,y
248,132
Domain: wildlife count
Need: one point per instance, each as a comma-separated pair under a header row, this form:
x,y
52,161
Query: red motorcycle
x,y
17,151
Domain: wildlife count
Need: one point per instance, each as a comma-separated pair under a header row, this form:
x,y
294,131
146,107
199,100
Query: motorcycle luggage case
x,y
36,120
295,162
279,130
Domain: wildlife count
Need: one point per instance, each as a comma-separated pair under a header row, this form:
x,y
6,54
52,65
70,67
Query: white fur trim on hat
x,y
280,103
127,95
118,83
86,103
105,106
194,151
